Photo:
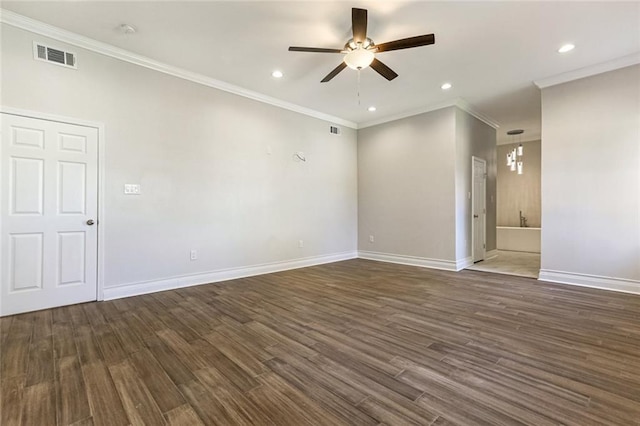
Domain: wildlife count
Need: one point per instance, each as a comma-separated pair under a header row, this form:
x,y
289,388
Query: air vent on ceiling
x,y
334,130
50,54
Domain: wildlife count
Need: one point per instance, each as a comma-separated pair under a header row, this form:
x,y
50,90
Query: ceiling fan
x,y
360,51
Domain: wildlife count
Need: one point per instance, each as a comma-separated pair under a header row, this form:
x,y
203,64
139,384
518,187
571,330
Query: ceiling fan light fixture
x,y
359,58
359,51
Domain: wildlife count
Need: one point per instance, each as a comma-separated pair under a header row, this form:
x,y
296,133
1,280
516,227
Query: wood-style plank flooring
x,y
349,343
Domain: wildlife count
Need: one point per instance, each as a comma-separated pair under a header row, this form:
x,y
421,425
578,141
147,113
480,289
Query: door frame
x,y
484,214
101,178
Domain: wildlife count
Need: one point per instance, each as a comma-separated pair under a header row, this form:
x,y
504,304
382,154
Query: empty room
x,y
319,213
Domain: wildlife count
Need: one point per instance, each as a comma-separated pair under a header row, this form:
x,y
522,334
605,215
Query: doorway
x,y
49,213
478,208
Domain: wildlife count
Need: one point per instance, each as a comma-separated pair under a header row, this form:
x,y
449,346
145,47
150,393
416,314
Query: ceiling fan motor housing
x,y
353,45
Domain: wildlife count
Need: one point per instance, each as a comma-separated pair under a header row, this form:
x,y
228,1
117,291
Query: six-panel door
x,y
49,182
479,208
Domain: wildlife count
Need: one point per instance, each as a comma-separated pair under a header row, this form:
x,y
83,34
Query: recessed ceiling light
x,y
277,74
446,86
371,109
566,48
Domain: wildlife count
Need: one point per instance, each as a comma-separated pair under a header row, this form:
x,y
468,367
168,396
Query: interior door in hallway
x,y
49,207
479,208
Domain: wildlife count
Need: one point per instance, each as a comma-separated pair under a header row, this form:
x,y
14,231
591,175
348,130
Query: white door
x,y
49,203
479,208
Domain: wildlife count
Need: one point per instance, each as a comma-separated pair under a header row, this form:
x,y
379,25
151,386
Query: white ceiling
x,y
490,51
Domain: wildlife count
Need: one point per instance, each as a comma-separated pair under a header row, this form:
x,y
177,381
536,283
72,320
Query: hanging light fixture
x,y
515,156
359,58
359,54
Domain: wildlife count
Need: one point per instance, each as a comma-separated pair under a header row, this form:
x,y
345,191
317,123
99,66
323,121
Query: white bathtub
x,y
518,239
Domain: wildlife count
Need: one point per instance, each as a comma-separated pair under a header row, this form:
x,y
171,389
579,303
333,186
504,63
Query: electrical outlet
x,y
301,243
371,239
193,255
131,189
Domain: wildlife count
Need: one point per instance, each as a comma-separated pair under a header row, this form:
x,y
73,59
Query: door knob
x,y
90,222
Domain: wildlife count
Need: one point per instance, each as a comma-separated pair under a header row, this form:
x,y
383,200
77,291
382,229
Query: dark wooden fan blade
x,y
313,49
383,70
335,72
407,43
359,24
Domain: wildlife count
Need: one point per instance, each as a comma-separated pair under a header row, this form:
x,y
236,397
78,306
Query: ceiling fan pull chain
x,y
358,87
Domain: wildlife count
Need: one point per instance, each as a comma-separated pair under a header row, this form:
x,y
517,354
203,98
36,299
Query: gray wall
x,y
406,186
473,138
591,176
414,176
201,157
519,192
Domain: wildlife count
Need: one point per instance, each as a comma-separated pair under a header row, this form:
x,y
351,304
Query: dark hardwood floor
x,y
355,342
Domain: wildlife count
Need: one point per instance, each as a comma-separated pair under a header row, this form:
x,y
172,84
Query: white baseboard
x,y
464,263
491,254
594,281
145,287
447,265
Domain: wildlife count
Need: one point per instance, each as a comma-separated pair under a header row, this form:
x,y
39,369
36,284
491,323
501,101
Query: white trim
x,y
464,263
470,109
406,114
101,178
460,103
144,287
594,281
68,37
423,262
600,68
491,254
50,117
37,27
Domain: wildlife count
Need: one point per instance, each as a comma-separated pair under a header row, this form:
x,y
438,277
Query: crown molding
x,y
410,113
68,37
50,31
459,102
600,68
470,109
